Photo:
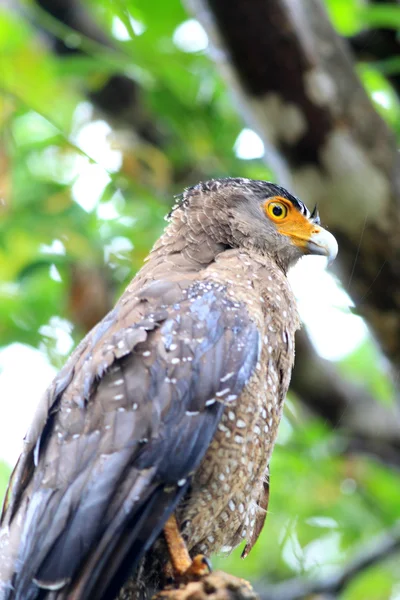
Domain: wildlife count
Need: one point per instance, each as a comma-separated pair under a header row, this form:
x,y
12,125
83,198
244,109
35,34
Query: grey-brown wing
x,y
122,441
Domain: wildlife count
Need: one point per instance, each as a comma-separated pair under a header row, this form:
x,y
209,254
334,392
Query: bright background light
x,y
325,308
190,36
249,145
20,394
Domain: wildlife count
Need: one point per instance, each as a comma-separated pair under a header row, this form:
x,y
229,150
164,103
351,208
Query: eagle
x,y
150,449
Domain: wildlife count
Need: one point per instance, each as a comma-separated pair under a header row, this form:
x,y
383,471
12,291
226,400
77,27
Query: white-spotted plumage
x,y
171,403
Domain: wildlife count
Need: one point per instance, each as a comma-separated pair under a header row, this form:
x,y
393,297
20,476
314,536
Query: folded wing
x,y
117,438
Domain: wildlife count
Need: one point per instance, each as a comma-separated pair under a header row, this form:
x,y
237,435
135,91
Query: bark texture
x,y
294,81
217,586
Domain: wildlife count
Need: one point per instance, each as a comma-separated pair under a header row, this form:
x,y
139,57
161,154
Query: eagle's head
x,y
256,215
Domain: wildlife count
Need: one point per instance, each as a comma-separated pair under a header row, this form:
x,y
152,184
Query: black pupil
x,y
277,210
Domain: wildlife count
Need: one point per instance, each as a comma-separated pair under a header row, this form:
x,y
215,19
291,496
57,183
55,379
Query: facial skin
x,y
304,231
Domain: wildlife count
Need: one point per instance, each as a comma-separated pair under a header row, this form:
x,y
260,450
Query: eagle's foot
x,y
200,566
184,569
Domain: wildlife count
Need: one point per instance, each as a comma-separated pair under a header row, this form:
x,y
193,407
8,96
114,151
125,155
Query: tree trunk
x,y
294,81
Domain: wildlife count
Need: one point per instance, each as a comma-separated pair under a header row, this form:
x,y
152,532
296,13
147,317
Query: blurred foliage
x,y
4,475
77,192
367,367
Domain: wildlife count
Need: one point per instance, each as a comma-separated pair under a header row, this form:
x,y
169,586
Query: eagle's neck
x,y
259,275
182,249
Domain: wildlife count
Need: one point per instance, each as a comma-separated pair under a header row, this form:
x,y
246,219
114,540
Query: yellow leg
x,y
182,564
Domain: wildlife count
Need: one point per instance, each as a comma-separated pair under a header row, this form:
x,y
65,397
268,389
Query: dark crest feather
x,y
315,215
260,187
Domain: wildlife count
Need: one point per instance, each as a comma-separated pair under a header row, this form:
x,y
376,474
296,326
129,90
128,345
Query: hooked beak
x,y
322,243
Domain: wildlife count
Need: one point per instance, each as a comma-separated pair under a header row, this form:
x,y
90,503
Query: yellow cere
x,y
290,221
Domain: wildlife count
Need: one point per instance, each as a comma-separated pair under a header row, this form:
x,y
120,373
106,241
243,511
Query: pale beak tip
x,y
323,243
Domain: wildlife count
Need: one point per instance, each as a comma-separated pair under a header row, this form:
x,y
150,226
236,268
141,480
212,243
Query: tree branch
x,y
216,586
380,549
222,586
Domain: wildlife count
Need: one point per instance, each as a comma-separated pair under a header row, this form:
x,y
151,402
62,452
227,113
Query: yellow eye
x,y
277,210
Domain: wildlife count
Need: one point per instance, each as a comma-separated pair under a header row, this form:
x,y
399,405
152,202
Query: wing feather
x,y
118,444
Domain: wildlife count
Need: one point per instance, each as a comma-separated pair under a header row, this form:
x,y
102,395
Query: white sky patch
x,y
94,139
382,98
248,145
92,178
190,36
120,31
20,395
322,554
325,309
83,115
88,187
54,273
107,211
59,330
54,164
309,557
56,247
118,248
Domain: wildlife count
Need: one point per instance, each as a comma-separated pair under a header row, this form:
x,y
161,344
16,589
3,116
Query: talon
x,y
200,566
181,565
